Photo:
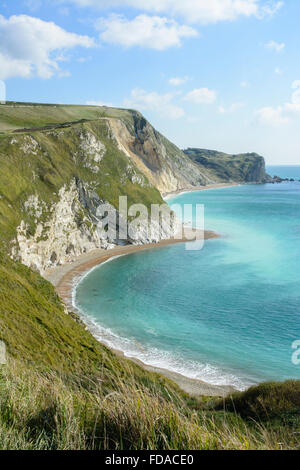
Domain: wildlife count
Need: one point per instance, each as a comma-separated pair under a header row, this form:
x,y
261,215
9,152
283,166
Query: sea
x,y
228,314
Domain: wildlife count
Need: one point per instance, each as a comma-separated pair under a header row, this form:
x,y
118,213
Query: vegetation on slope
x,y
61,389
241,168
53,164
166,166
17,116
271,401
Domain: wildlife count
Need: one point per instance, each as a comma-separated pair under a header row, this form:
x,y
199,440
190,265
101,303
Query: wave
x,y
155,357
256,251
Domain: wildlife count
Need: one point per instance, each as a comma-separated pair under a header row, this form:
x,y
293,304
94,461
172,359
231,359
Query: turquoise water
x,y
284,171
227,314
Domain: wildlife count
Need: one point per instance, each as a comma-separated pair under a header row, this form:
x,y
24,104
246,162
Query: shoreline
x,y
171,194
65,279
63,276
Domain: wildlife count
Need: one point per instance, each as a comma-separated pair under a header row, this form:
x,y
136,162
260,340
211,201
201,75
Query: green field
x,y
15,116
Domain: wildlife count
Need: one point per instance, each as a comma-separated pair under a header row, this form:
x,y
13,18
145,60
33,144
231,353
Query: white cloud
x,y
177,81
98,103
152,32
29,46
194,11
296,86
244,84
275,46
277,116
278,71
33,5
160,104
64,74
270,9
201,96
272,116
231,109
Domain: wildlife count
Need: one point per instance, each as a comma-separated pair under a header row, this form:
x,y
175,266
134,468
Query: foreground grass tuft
x,y
44,411
278,403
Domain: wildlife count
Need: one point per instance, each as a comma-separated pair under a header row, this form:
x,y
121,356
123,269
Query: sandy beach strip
x,y
167,196
64,278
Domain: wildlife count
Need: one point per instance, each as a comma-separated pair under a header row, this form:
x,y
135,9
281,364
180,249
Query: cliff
x,y
164,164
64,164
241,168
60,388
61,176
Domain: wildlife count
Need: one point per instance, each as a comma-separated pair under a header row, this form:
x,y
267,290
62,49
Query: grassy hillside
x,y
243,168
41,151
163,163
17,116
54,162
61,389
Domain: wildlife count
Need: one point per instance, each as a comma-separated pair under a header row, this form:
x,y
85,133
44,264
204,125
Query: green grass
x,y
244,168
15,116
57,163
61,389
20,116
268,401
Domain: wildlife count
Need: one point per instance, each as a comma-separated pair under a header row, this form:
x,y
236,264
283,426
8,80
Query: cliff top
x,y
18,116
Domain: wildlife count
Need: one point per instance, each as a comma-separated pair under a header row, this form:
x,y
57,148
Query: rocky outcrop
x,y
68,232
241,168
75,225
92,149
63,175
277,179
164,164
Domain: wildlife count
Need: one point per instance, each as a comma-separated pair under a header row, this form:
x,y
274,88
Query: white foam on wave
x,y
77,280
155,357
152,356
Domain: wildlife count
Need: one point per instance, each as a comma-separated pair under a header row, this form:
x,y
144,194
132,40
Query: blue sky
x,y
223,74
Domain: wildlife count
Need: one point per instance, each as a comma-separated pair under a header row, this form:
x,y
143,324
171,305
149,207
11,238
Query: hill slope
x,y
164,164
61,389
241,168
65,163
60,177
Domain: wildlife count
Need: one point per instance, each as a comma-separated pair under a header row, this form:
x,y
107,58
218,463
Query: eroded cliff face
x,y
256,171
164,164
62,232
75,225
72,177
61,176
241,168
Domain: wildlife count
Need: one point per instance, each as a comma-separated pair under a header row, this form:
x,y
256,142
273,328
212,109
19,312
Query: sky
x,y
218,74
